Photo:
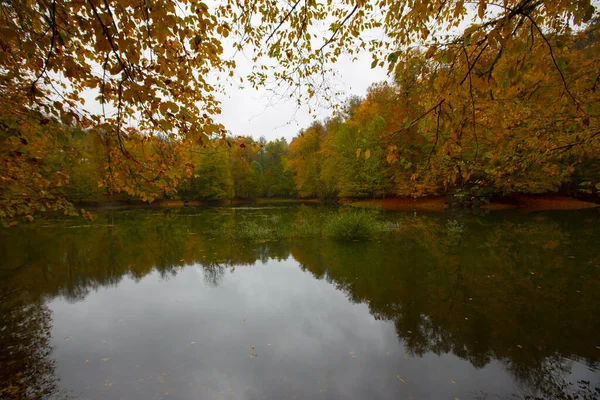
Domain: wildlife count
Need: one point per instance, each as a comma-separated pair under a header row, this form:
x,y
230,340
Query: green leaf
x,y
467,40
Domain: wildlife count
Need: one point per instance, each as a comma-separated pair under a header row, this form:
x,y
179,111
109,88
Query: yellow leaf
x,y
251,346
481,10
430,51
163,107
367,154
252,355
105,358
8,33
358,152
400,379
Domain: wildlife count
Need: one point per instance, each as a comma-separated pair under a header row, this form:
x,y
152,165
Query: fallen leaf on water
x,y
456,398
400,379
252,346
453,381
519,346
192,342
351,352
252,355
598,347
105,358
68,338
160,379
86,361
409,331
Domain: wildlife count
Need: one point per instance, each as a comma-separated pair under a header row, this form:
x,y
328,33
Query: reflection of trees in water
x,y
462,286
519,291
543,376
213,274
26,369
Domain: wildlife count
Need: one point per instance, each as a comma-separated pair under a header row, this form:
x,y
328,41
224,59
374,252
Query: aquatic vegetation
x,y
356,225
341,224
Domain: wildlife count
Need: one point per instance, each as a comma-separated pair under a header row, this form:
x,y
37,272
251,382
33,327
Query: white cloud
x,y
257,113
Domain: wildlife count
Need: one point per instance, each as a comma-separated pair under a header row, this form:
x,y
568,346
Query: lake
x,y
181,304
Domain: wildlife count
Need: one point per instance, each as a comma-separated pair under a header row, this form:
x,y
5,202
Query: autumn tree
x,y
306,161
278,176
146,63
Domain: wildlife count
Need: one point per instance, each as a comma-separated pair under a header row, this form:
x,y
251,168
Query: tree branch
x,y
339,27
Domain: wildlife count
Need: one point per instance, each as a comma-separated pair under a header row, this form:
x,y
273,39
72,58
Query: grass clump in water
x,y
343,224
355,225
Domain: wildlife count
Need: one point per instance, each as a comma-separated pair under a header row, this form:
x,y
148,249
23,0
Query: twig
x,y
339,27
551,50
283,20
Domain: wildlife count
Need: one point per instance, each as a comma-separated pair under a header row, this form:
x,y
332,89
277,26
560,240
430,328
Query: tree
x,y
212,179
147,62
246,169
306,161
279,181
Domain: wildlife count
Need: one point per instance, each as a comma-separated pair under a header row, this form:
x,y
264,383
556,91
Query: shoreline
x,y
509,202
427,204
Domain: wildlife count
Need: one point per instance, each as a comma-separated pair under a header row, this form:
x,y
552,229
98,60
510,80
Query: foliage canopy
x,y
153,65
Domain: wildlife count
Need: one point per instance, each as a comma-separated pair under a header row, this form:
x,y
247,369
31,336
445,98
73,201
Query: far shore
x,y
426,204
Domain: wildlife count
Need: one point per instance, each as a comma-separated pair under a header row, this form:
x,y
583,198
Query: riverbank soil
x,y
440,203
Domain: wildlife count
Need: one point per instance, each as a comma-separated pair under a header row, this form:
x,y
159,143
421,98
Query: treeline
x,y
242,168
515,123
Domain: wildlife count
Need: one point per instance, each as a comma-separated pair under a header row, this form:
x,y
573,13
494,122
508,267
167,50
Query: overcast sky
x,y
250,112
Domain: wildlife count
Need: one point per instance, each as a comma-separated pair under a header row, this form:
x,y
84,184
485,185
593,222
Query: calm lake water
x,y
167,305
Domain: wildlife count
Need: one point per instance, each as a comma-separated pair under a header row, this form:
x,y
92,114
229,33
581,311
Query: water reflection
x,y
505,293
26,367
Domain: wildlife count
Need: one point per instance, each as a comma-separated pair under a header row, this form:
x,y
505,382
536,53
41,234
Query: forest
x,y
509,104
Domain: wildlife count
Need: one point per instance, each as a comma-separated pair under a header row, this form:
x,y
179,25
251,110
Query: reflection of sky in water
x,y
303,330
499,297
